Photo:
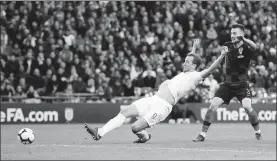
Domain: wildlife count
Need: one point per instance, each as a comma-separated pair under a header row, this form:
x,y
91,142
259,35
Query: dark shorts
x,y
228,91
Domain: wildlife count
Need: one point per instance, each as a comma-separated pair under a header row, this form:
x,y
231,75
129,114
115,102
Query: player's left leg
x,y
135,109
244,96
253,116
114,123
138,128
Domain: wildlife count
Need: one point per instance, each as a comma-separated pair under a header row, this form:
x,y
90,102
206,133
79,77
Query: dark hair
x,y
196,59
240,26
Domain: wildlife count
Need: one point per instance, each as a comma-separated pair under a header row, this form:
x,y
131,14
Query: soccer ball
x,y
26,136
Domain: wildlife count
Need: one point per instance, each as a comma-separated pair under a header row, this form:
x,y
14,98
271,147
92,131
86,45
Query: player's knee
x,y
124,111
136,128
213,107
127,111
216,102
246,104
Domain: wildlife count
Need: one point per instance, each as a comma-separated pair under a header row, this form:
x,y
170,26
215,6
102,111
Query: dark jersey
x,y
237,62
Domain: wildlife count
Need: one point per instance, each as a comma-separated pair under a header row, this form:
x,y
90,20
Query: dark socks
x,y
254,120
208,120
206,126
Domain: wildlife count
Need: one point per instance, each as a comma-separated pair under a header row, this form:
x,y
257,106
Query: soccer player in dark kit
x,y
237,61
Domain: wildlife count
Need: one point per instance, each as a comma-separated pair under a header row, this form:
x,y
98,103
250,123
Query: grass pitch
x,y
174,142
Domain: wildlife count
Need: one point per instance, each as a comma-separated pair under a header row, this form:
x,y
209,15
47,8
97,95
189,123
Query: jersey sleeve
x,y
198,76
250,53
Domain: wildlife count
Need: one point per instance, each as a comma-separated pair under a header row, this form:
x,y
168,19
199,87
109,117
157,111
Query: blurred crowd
x,y
126,48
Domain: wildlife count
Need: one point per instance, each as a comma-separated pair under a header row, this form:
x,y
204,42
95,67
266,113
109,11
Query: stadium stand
x,y
106,51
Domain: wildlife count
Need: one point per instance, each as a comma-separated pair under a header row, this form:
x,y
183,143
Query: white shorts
x,y
153,109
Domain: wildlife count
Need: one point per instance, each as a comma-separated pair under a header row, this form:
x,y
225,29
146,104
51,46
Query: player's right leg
x,y
114,123
216,102
223,95
138,128
157,111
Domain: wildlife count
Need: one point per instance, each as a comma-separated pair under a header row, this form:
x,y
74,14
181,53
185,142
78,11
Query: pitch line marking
x,y
136,147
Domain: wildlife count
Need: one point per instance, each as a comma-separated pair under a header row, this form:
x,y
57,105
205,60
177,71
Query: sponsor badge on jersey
x,y
240,53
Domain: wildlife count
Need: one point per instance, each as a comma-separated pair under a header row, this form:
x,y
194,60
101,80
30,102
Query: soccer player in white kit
x,y
154,109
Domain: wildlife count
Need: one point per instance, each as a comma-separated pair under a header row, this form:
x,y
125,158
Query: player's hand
x,y
240,38
196,42
224,50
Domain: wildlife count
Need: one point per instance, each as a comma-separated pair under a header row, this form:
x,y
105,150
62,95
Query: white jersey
x,y
183,83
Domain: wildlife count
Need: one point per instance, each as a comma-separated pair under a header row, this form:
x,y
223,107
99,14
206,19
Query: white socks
x,y
203,134
259,131
112,124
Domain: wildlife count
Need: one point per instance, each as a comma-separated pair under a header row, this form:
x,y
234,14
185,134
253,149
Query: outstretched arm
x,y
249,42
208,71
196,42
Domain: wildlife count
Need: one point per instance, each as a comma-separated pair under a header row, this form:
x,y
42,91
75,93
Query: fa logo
x,y
69,114
240,53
